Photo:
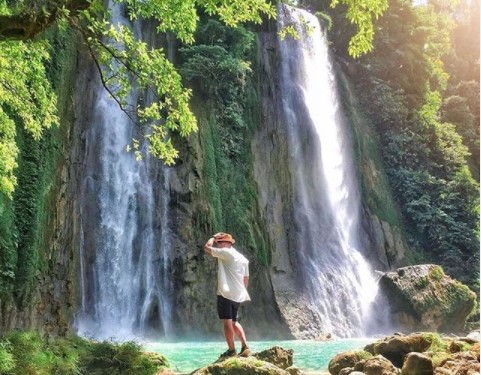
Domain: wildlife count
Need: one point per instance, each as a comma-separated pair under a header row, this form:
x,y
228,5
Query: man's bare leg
x,y
239,331
229,333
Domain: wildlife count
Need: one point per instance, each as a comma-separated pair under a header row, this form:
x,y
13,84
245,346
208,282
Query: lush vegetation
x,y
23,211
420,89
123,61
28,353
27,98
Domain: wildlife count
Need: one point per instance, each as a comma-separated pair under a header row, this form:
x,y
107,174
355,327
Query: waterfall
x,y
335,276
125,242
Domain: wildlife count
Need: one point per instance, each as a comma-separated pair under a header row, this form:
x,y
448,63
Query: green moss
x,y
422,283
23,219
26,199
438,357
8,253
362,355
228,115
209,139
125,358
257,363
462,291
436,273
439,348
438,344
466,347
233,363
33,200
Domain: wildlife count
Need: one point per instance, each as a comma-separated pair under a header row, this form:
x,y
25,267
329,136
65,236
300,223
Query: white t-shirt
x,y
232,267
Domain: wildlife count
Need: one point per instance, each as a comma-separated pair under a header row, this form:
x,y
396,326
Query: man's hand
x,y
209,244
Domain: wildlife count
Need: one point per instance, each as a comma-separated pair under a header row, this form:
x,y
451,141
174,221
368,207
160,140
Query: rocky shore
x,y
422,353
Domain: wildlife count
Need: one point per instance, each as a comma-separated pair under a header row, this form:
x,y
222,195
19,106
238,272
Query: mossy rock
x,y
378,365
423,298
278,356
395,348
459,363
241,366
423,353
457,346
417,364
347,360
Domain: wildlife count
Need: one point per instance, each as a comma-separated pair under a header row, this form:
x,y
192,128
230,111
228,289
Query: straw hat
x,y
223,237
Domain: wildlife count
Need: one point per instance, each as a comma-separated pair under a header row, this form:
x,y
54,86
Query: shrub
x,y
117,359
7,362
24,353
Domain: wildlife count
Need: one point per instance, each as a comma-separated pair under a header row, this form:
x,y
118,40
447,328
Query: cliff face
x,y
193,271
207,198
274,191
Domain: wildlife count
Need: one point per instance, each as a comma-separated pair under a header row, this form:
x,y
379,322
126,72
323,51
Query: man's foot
x,y
245,351
228,353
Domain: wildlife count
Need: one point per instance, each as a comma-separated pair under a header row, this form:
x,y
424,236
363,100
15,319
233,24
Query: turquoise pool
x,y
310,356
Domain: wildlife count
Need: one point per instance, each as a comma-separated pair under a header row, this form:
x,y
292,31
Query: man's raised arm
x,y
208,245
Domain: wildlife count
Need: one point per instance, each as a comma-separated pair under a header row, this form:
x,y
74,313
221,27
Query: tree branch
x,y
106,86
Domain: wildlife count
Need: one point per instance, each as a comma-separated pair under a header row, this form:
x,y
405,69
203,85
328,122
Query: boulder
x,y
293,370
346,360
423,298
473,335
460,345
396,347
273,361
241,366
379,365
464,363
417,364
360,365
346,371
415,354
276,355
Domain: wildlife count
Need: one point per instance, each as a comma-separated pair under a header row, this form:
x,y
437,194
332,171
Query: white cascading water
x,y
337,278
125,240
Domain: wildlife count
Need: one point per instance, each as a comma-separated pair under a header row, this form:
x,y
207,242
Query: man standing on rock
x,y
232,280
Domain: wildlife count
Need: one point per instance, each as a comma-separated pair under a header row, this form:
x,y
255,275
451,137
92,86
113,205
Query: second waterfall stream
x,y
326,200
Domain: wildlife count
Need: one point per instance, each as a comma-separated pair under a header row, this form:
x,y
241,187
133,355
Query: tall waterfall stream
x,y
125,242
326,204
